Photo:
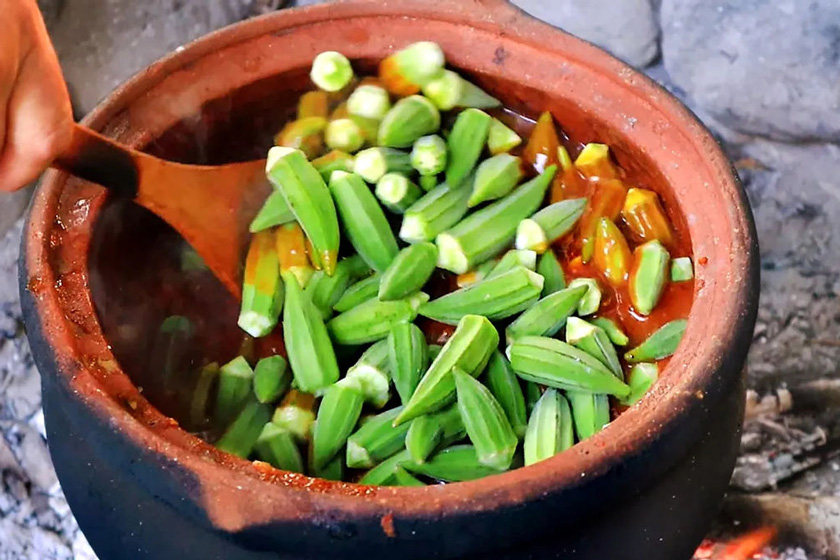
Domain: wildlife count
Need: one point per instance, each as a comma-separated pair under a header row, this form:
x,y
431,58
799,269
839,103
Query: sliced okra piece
x,y
383,473
241,436
557,364
487,232
412,67
682,270
458,463
611,253
469,348
409,357
325,291
538,232
495,177
428,182
465,143
278,448
338,415
403,478
434,351
313,104
501,138
660,344
429,155
423,437
274,212
590,412
613,330
605,202
504,385
550,428
449,90
235,381
594,341
376,440
645,217
364,221
648,276
369,101
345,135
334,470
290,244
373,373
436,211
374,319
552,271
309,199
331,71
483,271
336,160
373,163
303,134
272,379
409,119
495,298
594,161
396,192
533,392
358,293
640,379
591,300
262,290
547,316
511,260
541,149
296,414
409,271
207,379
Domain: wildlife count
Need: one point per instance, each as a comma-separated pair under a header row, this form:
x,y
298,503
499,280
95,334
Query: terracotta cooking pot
x,y
646,487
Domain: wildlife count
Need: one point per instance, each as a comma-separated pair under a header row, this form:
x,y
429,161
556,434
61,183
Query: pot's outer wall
x,y
647,485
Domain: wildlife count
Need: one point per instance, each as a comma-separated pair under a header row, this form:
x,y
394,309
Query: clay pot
x,y
142,487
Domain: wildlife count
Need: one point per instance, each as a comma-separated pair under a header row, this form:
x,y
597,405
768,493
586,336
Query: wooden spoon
x,y
210,206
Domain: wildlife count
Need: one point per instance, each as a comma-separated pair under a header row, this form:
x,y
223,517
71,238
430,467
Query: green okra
x,y
374,319
369,101
403,478
303,134
278,448
239,439
409,271
310,351
434,351
338,415
495,178
590,412
532,395
417,63
511,260
436,211
358,293
313,104
409,358
551,269
373,373
376,440
557,364
613,330
374,163
682,270
450,421
458,463
465,143
501,139
235,381
549,224
469,348
487,232
296,414
334,470
397,193
336,160
495,298
309,199
262,289
591,300
271,379
449,90
640,379
345,135
423,437
274,212
331,71
409,119
429,155
325,291
357,267
428,182
364,221
594,341
504,385
383,473
550,429
660,344
648,276
207,379
483,271
547,316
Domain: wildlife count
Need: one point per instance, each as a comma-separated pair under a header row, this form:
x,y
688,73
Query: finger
x,y
9,65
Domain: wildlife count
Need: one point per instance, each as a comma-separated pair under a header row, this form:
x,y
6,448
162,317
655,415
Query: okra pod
x,y
611,255
309,199
458,463
449,90
550,428
373,373
310,352
409,358
541,149
383,473
429,155
648,276
511,260
338,415
501,139
374,319
207,378
479,273
434,351
538,232
331,71
488,231
274,212
557,364
645,217
410,68
345,135
594,341
495,177
660,344
397,193
235,381
373,163
409,271
469,348
423,437
487,425
369,101
640,379
334,470
271,379
591,300
436,211
533,392
409,119
613,330
262,290
278,448
336,160
313,104
495,298
358,293
290,244
605,202
428,182
594,162
504,385
403,478
364,221
296,414
547,316
303,134
357,268
325,291
465,142
239,439
376,440
552,271
682,270
590,412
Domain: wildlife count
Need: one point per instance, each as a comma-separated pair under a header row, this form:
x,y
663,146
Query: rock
x,y
626,28
12,206
767,67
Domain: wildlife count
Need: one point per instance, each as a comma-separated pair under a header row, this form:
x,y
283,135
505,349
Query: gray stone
x,y
768,67
626,28
12,206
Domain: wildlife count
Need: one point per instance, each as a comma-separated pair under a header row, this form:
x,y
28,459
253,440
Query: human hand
x,y
35,114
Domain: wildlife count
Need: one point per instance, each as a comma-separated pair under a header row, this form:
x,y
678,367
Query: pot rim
x,y
727,288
